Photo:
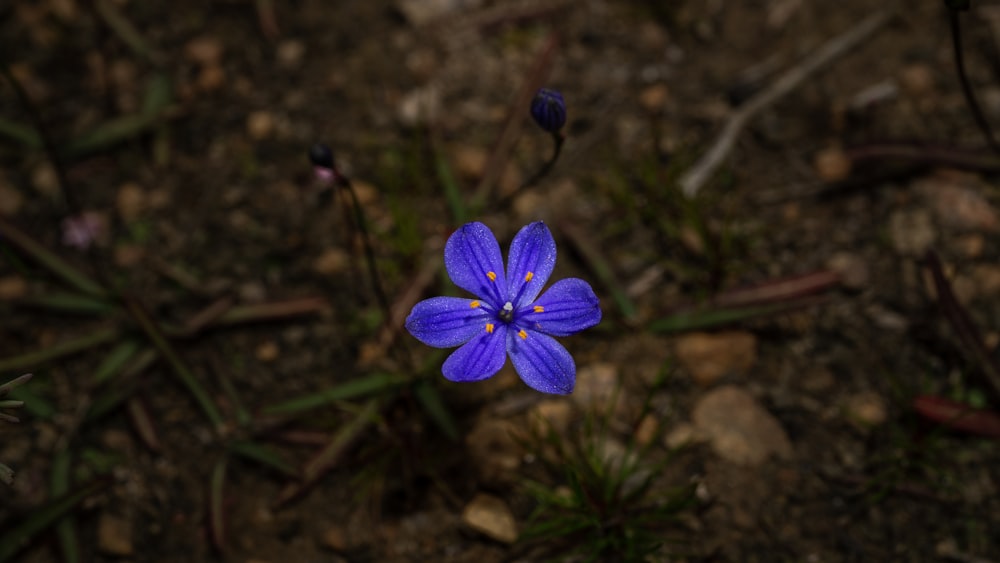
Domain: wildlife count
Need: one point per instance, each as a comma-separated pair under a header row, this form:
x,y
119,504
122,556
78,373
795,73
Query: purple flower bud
x,y
321,156
548,108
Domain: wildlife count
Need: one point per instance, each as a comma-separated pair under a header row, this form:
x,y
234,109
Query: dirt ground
x,y
790,429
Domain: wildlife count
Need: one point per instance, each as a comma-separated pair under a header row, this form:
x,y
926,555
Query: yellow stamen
x,y
539,308
474,304
522,334
492,276
528,276
489,328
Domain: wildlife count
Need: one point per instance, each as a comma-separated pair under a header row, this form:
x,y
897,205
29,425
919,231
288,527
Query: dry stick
x,y
698,175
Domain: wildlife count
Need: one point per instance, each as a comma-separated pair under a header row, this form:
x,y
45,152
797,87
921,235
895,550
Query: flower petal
x,y
530,262
567,307
543,364
471,254
446,322
478,358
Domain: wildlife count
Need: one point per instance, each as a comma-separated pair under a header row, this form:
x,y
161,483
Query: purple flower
x,y
506,319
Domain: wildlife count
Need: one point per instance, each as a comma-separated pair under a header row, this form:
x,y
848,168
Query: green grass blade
x,y
600,266
451,192
69,543
34,359
180,369
158,94
430,399
115,361
216,505
69,303
20,133
265,456
112,132
55,264
34,403
361,387
17,537
124,29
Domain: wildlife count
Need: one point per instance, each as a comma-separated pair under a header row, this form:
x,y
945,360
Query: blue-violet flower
x,y
548,108
506,319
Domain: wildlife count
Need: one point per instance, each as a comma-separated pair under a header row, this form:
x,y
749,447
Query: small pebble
x,y
204,50
12,287
260,125
114,536
267,351
708,357
491,516
867,408
832,164
11,199
290,53
130,201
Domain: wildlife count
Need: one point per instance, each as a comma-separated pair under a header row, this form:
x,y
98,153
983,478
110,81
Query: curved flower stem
x,y
963,78
557,143
359,217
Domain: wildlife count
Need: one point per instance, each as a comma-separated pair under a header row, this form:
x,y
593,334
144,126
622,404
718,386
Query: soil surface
x,y
790,425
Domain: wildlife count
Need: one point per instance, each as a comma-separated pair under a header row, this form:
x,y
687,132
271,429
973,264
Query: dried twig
x,y
695,178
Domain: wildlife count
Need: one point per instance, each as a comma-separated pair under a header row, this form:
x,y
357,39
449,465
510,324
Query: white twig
x,y
695,178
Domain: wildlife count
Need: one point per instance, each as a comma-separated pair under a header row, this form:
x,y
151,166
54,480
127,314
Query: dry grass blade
x,y
692,180
782,289
958,416
968,334
332,453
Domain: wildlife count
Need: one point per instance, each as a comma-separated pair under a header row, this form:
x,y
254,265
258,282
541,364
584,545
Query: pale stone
x,y
493,449
551,414
211,77
491,516
738,428
331,261
867,408
11,199
130,201
290,53
708,357
204,50
335,538
654,98
852,269
596,386
957,201
911,231
832,164
45,180
114,536
681,435
469,162
260,125
267,351
12,287
917,79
